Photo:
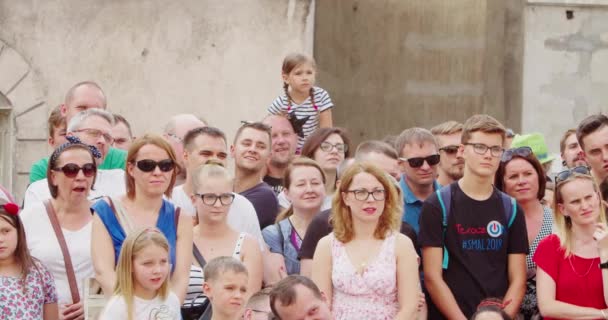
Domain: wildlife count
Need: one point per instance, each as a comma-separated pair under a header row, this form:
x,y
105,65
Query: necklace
x,y
588,269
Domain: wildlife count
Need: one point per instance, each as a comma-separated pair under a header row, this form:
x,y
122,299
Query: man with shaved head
x,y
282,150
174,133
80,97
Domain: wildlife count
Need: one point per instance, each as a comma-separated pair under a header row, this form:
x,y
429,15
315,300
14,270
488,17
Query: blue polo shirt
x,y
412,205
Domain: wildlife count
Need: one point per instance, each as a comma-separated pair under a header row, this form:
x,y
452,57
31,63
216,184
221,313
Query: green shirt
x,y
115,159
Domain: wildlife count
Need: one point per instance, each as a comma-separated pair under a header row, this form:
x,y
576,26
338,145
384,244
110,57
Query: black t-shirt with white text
x,y
477,244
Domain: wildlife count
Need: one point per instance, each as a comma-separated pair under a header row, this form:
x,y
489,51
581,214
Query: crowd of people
x,y
459,221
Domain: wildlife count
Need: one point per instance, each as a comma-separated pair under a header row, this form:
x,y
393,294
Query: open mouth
x,y
79,189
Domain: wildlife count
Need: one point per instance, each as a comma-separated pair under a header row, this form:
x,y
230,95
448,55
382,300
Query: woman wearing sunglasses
x,y
572,265
521,176
151,171
213,237
328,147
71,175
367,269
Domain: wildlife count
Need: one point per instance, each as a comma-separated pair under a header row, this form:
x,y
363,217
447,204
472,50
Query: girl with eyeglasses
x,y
65,217
522,176
328,147
572,265
305,189
213,237
150,176
367,269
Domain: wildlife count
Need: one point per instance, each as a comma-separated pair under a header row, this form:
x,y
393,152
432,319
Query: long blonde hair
x,y
131,247
563,224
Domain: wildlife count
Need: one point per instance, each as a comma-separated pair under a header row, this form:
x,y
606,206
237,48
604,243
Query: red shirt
x,y
578,281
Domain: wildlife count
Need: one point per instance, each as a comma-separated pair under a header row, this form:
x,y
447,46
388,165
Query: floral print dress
x,y
26,300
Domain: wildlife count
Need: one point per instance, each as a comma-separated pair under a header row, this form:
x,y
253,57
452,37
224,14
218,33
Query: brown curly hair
x,y
341,218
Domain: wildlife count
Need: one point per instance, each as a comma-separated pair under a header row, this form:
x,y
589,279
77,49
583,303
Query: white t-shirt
x,y
241,216
43,245
155,309
108,183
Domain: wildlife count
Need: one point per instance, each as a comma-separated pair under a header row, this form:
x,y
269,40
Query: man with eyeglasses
x,y
251,150
418,161
81,97
451,164
174,133
201,145
92,127
258,306
472,248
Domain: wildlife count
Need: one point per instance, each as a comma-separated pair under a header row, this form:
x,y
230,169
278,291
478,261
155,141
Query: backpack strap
x,y
281,236
509,208
67,260
445,200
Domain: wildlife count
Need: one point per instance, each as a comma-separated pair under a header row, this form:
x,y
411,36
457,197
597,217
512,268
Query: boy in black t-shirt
x,y
486,246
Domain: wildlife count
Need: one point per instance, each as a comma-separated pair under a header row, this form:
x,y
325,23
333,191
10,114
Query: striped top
x,y
195,295
304,112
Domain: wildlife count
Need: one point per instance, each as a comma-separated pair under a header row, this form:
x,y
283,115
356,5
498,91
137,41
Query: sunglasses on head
x,y
521,151
450,149
564,175
148,165
419,161
71,170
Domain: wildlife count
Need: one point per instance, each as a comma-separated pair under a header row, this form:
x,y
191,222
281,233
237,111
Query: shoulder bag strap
x,y
177,211
64,250
198,256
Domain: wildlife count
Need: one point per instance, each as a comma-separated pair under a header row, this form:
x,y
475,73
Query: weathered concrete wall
x,y
218,59
418,63
566,65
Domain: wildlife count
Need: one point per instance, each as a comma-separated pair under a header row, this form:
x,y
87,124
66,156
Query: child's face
x,y
8,239
150,268
228,293
301,78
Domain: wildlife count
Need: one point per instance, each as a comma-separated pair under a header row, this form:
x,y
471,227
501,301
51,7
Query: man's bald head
x,y
175,131
83,96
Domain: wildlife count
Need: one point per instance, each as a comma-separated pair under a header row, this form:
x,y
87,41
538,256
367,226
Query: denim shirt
x,y
280,242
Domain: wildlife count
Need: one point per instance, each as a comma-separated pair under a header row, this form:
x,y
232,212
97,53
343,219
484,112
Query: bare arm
x,y
551,308
321,271
439,291
306,267
517,283
50,311
408,281
325,119
252,259
102,251
183,258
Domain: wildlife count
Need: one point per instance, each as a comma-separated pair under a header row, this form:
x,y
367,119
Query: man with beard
x,y
251,150
570,151
283,150
451,164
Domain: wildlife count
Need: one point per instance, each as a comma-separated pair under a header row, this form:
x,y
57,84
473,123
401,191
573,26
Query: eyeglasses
x,y
521,151
564,175
211,198
71,169
480,148
95,134
174,136
417,162
327,147
363,195
451,150
148,165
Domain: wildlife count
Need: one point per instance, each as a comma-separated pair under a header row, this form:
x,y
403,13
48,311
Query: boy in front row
x,y
226,287
486,245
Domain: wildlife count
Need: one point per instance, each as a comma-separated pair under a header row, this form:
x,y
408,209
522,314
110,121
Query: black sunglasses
x,y
419,161
71,169
521,151
148,165
564,175
450,149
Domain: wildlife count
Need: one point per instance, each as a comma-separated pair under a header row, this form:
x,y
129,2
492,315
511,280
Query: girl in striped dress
x,y
307,107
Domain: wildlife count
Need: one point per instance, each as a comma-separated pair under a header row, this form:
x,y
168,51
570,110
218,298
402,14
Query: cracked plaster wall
x,y
217,59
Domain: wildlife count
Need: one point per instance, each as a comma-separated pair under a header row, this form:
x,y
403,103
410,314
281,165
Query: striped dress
x,y
305,112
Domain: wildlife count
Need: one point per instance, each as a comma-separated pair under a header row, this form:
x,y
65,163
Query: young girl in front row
x,y
142,280
307,107
28,288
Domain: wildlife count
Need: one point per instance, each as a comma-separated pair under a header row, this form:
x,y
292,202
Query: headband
x,y
72,140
